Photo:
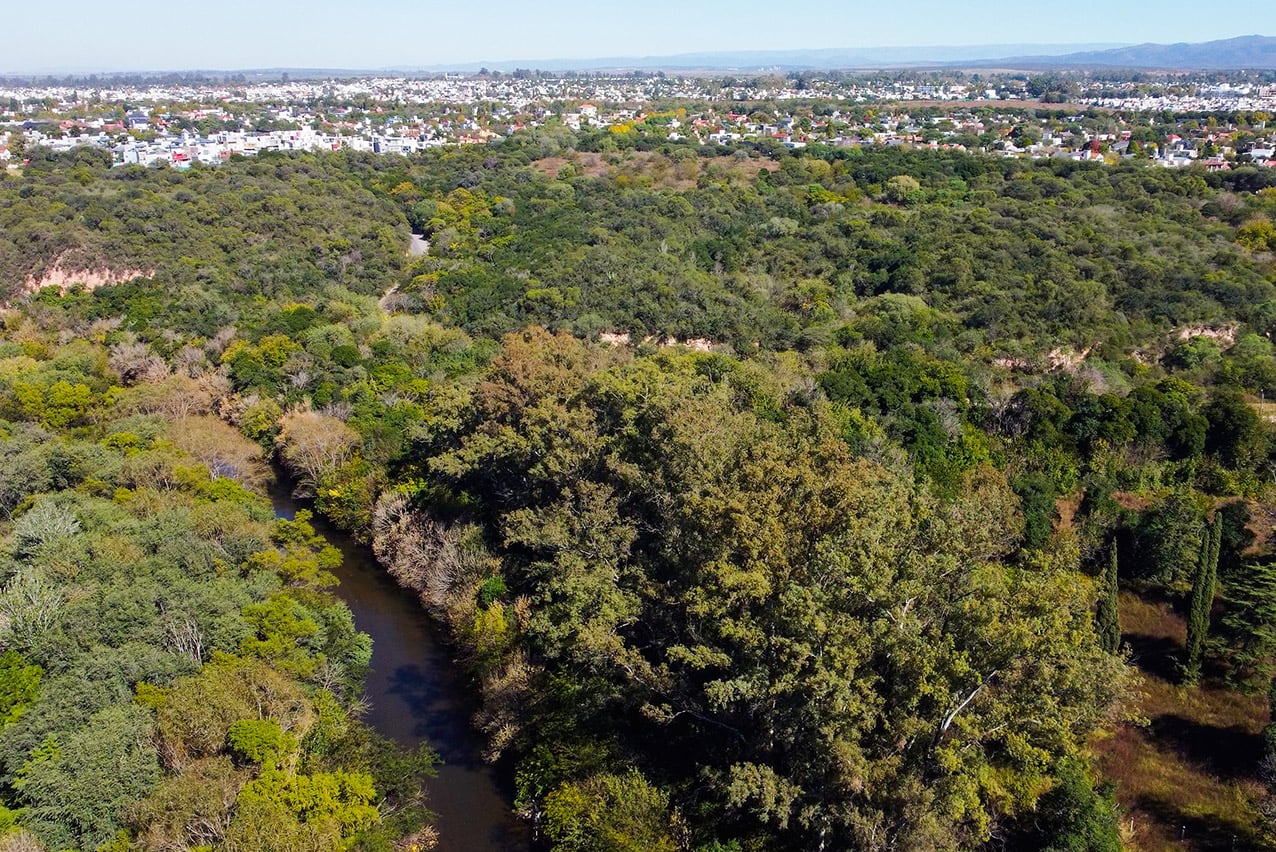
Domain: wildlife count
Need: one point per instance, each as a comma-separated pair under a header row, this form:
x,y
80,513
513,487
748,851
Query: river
x,y
417,695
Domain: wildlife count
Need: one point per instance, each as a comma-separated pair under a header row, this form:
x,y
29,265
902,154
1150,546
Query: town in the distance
x,y
1215,120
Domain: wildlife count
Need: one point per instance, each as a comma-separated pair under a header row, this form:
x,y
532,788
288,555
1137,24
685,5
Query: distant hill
x,y
770,60
1246,52
1253,52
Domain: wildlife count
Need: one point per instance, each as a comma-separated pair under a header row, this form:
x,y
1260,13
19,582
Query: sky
x,y
91,35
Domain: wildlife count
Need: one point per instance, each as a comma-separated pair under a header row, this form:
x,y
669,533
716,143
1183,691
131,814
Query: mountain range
x,y
1253,52
780,60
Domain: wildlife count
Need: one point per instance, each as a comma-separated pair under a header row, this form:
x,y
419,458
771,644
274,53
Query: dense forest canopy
x,y
175,673
770,499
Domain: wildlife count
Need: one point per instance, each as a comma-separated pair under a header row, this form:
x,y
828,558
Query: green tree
x,y
611,813
279,812
1107,622
1201,604
76,789
17,145
1236,433
259,741
19,684
284,633
1073,816
1248,624
1169,541
1257,235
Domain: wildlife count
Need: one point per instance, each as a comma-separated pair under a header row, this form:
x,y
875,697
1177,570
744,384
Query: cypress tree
x,y
1203,588
1216,545
1106,622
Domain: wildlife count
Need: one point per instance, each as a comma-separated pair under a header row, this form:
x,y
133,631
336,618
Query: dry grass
x,y
1266,410
1131,500
1262,525
1067,508
1188,778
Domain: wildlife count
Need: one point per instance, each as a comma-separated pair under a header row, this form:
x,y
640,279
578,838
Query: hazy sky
x,y
230,34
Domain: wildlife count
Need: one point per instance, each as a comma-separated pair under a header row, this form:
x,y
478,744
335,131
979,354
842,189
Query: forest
x,y
842,499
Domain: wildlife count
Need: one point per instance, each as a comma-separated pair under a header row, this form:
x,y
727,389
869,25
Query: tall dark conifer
x,y
1203,587
1107,623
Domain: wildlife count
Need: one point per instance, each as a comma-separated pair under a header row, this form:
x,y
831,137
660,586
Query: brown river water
x,y
418,694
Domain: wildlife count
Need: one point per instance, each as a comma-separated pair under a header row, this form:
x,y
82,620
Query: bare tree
x,y
28,608
221,448
424,555
186,638
47,523
313,444
176,396
135,362
21,841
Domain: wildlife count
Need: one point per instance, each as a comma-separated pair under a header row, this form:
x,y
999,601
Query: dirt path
x,y
418,247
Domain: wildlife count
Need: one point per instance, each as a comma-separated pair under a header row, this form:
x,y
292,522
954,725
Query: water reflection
x,y
418,695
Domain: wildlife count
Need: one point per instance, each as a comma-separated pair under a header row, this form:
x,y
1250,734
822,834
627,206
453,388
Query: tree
x,y
76,789
65,403
46,525
17,144
283,634
1204,584
24,467
191,809
1107,622
1267,764
221,448
1073,816
1169,541
175,397
21,840
281,812
1269,734
688,546
1257,235
611,813
903,189
1248,624
19,684
29,607
313,444
1236,434
195,715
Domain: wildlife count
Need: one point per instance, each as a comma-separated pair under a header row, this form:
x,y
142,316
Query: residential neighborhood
x,y
1213,123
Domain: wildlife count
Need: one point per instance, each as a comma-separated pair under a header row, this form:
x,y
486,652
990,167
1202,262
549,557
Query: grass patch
x,y
1188,779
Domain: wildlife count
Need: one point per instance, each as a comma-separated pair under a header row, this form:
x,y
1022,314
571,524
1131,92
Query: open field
x,y
1188,778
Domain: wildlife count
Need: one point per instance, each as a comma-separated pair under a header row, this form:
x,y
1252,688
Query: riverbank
x,y
417,695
